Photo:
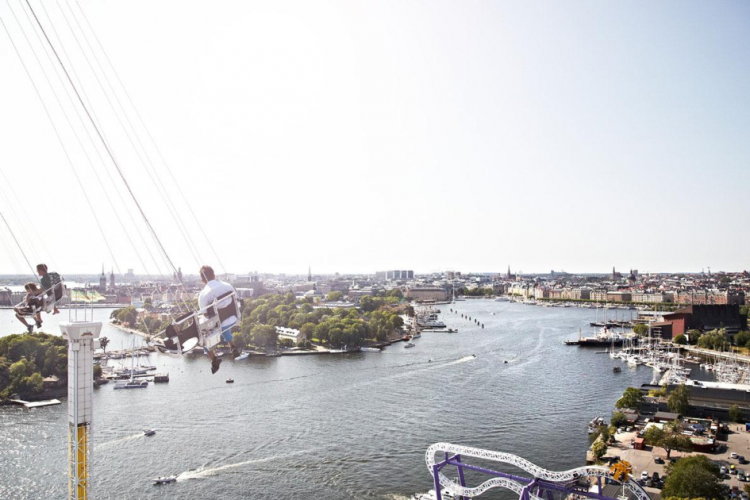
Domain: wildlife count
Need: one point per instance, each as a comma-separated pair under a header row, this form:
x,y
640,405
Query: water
x,y
333,426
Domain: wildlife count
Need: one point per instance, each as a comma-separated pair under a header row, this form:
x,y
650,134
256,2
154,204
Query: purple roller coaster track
x,y
542,485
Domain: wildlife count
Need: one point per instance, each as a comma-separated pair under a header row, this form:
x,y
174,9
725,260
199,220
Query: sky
x,y
356,136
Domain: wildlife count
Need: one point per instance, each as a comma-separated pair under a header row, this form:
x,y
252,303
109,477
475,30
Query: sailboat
x,y
132,383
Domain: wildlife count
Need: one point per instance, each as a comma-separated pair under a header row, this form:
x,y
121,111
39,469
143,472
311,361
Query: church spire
x,y
309,273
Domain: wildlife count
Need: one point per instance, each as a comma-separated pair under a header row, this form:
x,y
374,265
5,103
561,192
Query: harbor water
x,y
336,426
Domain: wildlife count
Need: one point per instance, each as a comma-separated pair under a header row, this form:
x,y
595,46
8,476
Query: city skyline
x,y
417,272
443,137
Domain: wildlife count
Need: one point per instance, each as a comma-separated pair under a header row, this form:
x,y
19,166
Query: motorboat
x,y
370,349
131,384
242,356
149,432
616,369
230,381
165,480
409,344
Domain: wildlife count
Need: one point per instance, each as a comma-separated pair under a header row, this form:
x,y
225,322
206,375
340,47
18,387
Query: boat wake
x,y
114,442
461,360
203,473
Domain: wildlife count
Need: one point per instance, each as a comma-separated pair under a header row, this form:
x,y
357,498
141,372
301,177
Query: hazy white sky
x,y
361,136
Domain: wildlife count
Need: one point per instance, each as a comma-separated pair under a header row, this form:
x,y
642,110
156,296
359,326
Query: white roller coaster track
x,y
523,464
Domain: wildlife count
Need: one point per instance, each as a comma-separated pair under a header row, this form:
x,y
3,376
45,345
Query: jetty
x,y
36,404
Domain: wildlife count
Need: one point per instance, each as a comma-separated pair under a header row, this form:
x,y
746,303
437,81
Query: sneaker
x,y
30,328
38,325
215,365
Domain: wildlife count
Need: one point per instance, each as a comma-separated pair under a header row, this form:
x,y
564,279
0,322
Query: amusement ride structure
x,y
542,485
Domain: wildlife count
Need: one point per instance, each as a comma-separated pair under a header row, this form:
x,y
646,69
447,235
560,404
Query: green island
x,y
26,359
376,320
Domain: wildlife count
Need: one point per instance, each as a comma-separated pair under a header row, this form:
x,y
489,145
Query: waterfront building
x,y
651,298
599,295
290,333
618,297
704,318
580,294
427,293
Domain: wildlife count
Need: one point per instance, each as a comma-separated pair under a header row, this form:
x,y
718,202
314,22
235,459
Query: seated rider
x,y
48,281
212,291
31,306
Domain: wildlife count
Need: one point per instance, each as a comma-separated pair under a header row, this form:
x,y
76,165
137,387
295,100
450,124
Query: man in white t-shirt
x,y
210,293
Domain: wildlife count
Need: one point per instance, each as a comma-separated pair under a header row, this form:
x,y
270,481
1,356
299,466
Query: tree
x,y
658,393
693,336
735,414
104,342
599,449
265,335
334,296
631,398
742,338
670,438
308,330
604,433
286,342
640,329
680,339
653,435
128,315
693,477
33,383
97,372
241,339
396,293
678,400
715,339
619,419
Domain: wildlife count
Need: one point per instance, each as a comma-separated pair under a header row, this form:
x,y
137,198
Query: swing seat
x,y
54,294
190,330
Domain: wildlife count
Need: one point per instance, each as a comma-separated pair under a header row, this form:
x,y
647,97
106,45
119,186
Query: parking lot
x,y
643,460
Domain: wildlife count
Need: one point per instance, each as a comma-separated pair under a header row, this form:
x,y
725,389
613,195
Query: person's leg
x,y
21,319
38,320
226,336
215,361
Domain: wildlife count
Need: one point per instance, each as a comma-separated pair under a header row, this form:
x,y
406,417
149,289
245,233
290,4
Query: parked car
x,y
655,477
658,460
741,476
723,469
734,455
741,459
644,474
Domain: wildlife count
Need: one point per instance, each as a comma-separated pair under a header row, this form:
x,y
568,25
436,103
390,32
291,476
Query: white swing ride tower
x,y
82,337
